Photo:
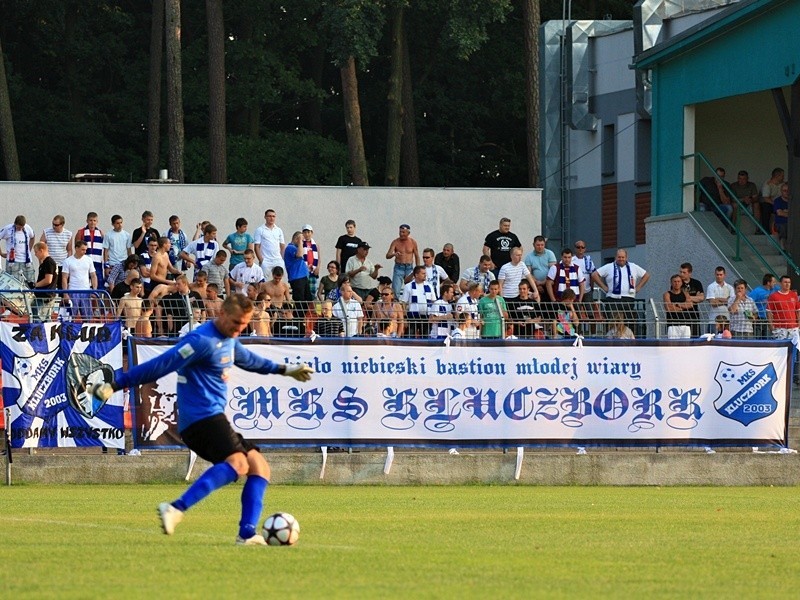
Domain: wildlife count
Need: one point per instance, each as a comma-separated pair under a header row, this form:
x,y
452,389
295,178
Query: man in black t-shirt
x,y
46,280
498,244
695,293
145,233
347,245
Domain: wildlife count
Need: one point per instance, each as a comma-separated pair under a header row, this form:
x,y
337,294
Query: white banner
x,y
675,393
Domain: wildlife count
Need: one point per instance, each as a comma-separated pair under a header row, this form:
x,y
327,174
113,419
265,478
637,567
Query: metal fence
x,y
173,316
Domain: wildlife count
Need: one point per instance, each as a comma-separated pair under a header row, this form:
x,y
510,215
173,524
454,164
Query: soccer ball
x,y
281,529
727,374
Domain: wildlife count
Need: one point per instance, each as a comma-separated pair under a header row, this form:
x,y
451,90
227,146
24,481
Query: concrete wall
x,y
436,216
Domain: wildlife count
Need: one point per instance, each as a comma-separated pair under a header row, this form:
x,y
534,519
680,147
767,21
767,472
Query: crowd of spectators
x,y
166,284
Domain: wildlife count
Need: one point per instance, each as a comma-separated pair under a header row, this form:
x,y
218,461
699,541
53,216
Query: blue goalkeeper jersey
x,y
203,360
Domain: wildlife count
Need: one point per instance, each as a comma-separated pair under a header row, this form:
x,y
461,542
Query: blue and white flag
x,y
47,368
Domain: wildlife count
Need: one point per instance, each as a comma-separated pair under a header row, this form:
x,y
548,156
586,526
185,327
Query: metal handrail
x,y
739,213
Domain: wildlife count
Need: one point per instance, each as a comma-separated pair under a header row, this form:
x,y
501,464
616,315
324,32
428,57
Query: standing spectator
x,y
512,273
747,193
93,236
201,250
245,273
269,243
361,271
178,241
539,260
718,293
144,234
347,244
311,254
586,263
405,252
440,314
19,239
297,271
348,311
480,274
79,274
498,244
563,276
769,191
418,296
780,210
620,281
760,295
449,261
434,274
494,313
237,242
45,281
59,243
678,307
742,310
695,293
782,312
147,262
117,246
217,273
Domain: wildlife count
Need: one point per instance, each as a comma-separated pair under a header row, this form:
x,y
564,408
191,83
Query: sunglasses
x,y
57,224
385,294
580,247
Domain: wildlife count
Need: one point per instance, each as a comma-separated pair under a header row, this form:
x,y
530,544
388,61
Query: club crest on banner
x,y
84,372
746,391
38,379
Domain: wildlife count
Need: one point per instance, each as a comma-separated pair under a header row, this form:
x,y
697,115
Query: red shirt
x,y
783,308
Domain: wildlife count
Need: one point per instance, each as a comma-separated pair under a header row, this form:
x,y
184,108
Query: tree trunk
x,y
409,155
352,122
531,21
154,89
8,141
395,101
217,150
174,89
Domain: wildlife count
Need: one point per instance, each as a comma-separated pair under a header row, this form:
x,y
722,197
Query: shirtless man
x,y
162,266
405,252
130,305
277,288
213,302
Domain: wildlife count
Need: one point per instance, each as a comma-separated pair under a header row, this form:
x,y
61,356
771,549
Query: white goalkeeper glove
x,y
102,391
299,372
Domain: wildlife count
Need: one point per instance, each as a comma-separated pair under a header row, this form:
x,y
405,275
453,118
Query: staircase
x,y
749,266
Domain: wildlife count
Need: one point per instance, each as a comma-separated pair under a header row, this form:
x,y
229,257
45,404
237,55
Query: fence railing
x,y
172,316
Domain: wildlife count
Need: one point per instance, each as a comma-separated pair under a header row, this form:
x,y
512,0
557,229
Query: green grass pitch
x,y
406,542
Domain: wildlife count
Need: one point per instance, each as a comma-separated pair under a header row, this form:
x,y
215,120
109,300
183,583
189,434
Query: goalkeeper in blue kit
x,y
203,360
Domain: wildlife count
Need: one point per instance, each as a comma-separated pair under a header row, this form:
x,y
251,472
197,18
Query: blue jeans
x,y
401,271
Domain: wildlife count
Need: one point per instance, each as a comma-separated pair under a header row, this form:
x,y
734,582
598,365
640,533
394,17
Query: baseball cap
x,y
405,226
364,245
307,227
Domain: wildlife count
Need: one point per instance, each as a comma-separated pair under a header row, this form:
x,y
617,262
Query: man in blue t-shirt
x,y
203,360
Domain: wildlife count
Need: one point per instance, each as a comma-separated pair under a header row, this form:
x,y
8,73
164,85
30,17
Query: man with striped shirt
x,y
201,250
93,236
59,242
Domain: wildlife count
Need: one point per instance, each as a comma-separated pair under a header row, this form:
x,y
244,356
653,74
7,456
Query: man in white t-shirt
x,y
245,273
718,293
78,273
348,310
269,243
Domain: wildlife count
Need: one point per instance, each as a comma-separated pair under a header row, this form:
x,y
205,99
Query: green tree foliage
x,y
77,75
